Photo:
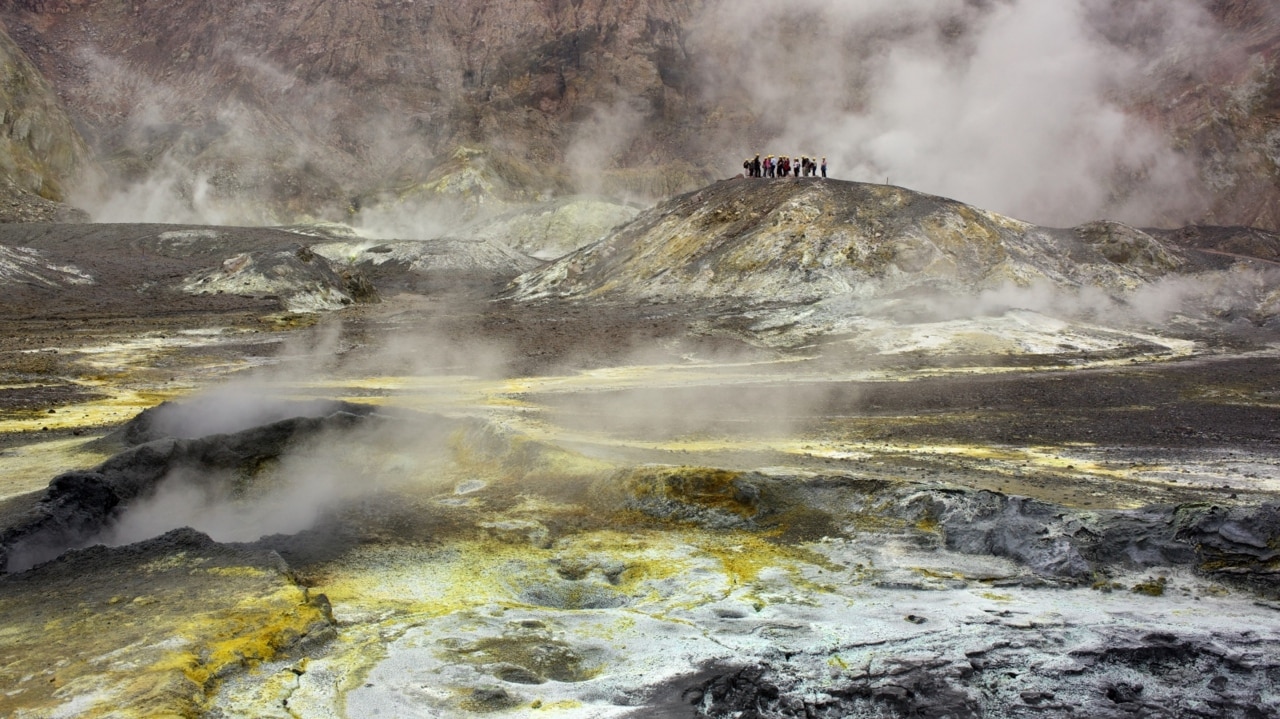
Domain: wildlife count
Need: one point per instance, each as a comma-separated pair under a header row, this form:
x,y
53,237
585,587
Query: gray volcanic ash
x,y
446,439
822,257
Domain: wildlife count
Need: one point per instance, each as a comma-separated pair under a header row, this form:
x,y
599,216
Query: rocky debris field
x,y
782,592
486,484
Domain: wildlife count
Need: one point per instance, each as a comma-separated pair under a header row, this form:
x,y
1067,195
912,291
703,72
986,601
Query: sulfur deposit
x,y
793,448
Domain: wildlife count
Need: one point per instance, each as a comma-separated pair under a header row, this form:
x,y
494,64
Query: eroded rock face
x,y
306,107
313,108
42,156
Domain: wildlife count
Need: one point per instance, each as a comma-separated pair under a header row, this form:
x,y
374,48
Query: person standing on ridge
x,y
755,166
824,167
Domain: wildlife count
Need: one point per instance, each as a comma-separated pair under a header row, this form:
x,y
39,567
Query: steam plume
x,y
1012,105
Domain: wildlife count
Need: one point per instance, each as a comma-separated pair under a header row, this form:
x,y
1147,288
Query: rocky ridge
x,y
798,241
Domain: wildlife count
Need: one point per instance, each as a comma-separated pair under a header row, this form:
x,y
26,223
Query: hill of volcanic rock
x,y
797,241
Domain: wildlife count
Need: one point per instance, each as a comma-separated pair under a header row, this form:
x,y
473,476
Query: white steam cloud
x,y
608,133
1018,106
312,479
262,148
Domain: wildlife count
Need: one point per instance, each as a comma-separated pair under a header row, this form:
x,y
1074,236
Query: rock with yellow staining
x,y
149,629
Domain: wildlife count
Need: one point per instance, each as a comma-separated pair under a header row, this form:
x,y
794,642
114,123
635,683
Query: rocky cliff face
x,y
327,104
1227,120
41,153
251,112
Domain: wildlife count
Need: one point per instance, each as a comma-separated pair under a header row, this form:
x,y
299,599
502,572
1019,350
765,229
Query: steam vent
x,y
444,360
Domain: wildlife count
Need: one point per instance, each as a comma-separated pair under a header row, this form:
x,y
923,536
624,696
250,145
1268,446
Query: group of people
x,y
783,166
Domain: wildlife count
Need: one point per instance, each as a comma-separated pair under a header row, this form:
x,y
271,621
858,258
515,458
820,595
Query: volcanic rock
x,y
42,156
309,108
302,280
428,266
785,262
161,604
79,505
300,106
553,229
756,242
906,599
223,413
136,269
25,265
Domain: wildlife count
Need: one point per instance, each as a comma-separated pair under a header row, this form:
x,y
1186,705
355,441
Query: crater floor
x,y
610,511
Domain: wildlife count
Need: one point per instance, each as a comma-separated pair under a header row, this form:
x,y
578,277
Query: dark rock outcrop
x,y
79,505
1238,544
1128,672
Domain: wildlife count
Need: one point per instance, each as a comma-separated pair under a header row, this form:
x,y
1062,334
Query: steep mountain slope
x,y
41,153
265,112
1226,117
322,104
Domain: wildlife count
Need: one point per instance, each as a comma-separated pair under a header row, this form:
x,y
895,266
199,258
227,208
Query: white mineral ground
x,y
594,624
524,561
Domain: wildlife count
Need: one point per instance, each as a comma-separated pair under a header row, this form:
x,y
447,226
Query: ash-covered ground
x,y
293,473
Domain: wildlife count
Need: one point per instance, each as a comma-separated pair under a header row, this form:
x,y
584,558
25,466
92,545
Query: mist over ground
x,y
1054,113
1014,106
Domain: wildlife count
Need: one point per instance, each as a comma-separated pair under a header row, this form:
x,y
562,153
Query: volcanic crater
x,y
770,448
